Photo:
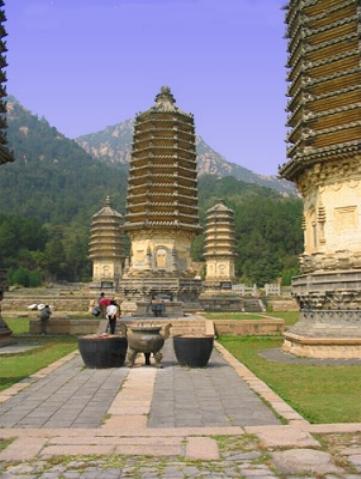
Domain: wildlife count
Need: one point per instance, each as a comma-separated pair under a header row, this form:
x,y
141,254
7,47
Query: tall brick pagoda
x,y
162,211
219,250
325,162
106,247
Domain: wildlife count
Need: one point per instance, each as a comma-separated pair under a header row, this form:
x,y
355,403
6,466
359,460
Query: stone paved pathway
x,y
241,457
214,396
71,396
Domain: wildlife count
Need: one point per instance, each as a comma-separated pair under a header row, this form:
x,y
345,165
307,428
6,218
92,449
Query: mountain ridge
x,y
113,144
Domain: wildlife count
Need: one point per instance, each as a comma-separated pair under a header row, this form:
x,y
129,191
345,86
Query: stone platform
x,y
330,316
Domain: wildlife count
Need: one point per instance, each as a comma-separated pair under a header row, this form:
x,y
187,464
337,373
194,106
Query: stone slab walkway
x,y
71,396
212,396
239,457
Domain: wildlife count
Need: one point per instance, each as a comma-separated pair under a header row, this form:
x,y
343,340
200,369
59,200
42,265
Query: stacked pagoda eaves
x,y
219,235
5,155
106,239
324,82
162,189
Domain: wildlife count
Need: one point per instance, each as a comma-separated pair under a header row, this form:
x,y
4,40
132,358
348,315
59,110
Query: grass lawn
x,y
322,394
15,367
18,325
290,317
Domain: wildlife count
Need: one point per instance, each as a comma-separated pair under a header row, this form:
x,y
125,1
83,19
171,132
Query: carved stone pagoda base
x,y
171,309
330,316
141,289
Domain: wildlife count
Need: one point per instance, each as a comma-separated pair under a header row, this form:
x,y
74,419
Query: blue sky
x,y
87,64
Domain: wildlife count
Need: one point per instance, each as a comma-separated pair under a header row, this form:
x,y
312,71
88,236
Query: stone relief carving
x,y
345,219
340,260
335,173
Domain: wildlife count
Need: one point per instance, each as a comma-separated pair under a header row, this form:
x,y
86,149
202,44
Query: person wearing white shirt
x,y
111,314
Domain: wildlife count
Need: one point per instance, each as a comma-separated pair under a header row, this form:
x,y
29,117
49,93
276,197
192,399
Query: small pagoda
x,y
219,253
324,53
219,250
106,247
162,203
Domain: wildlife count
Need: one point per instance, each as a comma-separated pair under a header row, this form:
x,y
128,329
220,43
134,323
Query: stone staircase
x,y
253,305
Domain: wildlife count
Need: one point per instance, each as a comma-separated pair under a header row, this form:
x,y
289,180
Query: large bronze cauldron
x,y
147,340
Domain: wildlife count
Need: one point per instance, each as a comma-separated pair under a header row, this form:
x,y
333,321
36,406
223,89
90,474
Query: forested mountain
x,y
53,187
113,145
47,197
53,178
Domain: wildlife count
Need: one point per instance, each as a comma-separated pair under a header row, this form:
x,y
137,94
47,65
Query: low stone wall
x,y
249,327
282,304
195,325
20,303
78,327
66,326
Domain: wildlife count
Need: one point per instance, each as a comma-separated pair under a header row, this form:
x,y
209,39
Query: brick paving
x,y
212,396
71,396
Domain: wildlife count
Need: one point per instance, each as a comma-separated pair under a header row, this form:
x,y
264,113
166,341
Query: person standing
x,y
103,303
112,312
44,315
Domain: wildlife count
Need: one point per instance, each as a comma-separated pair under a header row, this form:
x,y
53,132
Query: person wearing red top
x,y
103,303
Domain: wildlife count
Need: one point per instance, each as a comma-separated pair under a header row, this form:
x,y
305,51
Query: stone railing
x,y
245,290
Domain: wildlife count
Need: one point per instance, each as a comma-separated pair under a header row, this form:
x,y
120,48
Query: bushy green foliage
x,y
22,276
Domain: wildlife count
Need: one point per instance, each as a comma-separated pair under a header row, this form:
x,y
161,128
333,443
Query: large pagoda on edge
x,y
324,161
162,210
5,155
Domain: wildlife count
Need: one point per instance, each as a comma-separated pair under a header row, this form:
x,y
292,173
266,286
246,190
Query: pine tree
x,y
5,155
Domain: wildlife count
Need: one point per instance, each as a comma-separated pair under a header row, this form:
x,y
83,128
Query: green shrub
x,y
24,277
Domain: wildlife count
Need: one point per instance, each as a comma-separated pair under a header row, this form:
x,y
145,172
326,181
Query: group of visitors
x,y
107,308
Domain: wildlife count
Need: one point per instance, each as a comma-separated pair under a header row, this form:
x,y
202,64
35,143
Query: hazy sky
x,y
87,64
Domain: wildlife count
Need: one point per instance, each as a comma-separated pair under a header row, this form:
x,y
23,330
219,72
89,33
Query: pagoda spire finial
x,y
165,100
108,201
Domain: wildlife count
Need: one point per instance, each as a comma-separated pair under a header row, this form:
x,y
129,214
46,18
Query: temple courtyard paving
x,y
221,422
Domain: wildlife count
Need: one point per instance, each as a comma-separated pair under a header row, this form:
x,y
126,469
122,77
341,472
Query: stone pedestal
x,y
218,300
172,309
330,316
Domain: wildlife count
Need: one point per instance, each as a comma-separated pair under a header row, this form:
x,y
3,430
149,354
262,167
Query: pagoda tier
x,y
324,74
106,246
325,83
219,247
